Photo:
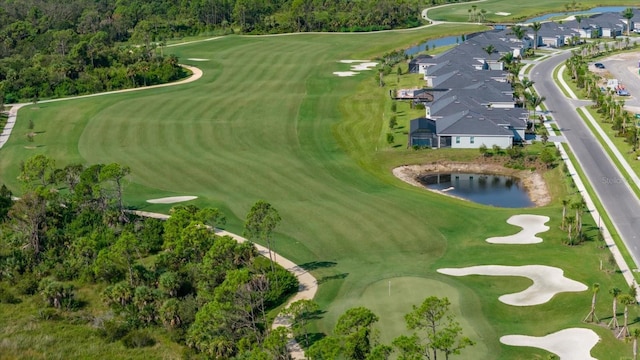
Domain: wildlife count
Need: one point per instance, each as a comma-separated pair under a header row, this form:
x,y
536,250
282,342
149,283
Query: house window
x,y
457,139
472,139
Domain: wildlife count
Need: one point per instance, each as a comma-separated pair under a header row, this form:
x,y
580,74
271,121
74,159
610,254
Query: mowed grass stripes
x,y
270,121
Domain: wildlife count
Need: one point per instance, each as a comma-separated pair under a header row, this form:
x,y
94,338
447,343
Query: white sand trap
x,y
568,344
197,59
171,200
503,13
344,73
364,66
530,224
353,61
547,281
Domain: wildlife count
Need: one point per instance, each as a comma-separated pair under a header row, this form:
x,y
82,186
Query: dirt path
x,y
306,290
13,112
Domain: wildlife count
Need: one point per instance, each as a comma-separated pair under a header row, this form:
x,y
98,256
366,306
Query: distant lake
x,y
597,10
494,190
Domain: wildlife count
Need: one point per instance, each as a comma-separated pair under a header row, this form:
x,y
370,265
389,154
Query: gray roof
x,y
417,124
421,59
471,123
552,29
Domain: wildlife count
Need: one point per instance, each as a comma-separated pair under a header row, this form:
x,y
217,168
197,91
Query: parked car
x,y
599,65
623,92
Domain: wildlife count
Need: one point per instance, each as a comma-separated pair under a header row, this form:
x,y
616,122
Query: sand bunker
x,y
530,224
547,281
500,13
360,65
364,66
568,344
197,59
345,73
171,200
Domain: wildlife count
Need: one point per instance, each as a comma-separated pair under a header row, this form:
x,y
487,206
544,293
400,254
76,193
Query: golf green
x,y
392,298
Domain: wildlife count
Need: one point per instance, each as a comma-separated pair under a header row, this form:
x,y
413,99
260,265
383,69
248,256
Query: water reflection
x,y
495,190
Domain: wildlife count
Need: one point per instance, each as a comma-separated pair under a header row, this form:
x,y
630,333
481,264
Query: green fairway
x,y
516,10
269,120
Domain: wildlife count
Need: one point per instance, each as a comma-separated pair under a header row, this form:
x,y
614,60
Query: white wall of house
x,y
474,142
556,41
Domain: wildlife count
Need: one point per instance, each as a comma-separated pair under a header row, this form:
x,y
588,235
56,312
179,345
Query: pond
x,y
596,10
494,190
427,45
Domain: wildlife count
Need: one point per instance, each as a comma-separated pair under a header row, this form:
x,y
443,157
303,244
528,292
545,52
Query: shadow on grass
x,y
332,277
397,145
313,265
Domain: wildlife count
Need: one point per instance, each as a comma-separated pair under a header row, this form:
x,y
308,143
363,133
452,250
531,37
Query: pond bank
x,y
532,181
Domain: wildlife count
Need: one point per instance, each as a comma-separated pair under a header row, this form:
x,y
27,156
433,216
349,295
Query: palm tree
x,y
534,101
635,334
628,14
490,49
536,26
613,324
517,31
527,83
592,314
565,202
627,300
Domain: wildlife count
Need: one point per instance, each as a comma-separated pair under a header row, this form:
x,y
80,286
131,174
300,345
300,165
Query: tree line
x,y
70,229
51,48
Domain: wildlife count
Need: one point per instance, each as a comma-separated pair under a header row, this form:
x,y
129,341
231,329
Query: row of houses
x,y
470,99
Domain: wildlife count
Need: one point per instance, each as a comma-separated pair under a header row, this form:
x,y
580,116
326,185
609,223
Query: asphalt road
x,y
611,186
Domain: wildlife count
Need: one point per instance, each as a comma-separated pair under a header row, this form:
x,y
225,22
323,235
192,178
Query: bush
x,y
48,314
113,331
7,297
390,138
138,339
28,285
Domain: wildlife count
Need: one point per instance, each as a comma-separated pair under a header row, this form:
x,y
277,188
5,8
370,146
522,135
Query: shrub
x,y
390,138
7,297
394,106
112,330
28,285
138,339
48,314
393,122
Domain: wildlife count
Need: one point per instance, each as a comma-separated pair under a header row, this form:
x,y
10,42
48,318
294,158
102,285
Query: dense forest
x,y
52,48
70,231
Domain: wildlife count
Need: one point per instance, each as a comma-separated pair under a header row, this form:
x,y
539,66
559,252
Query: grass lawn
x,y
270,121
518,9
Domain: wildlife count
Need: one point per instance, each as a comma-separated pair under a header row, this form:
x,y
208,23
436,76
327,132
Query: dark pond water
x,y
494,190
597,10
444,41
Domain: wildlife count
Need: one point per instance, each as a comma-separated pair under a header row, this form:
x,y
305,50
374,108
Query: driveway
x,y
611,186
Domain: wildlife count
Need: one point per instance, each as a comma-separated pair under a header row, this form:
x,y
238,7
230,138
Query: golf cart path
x,y
308,285
13,112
